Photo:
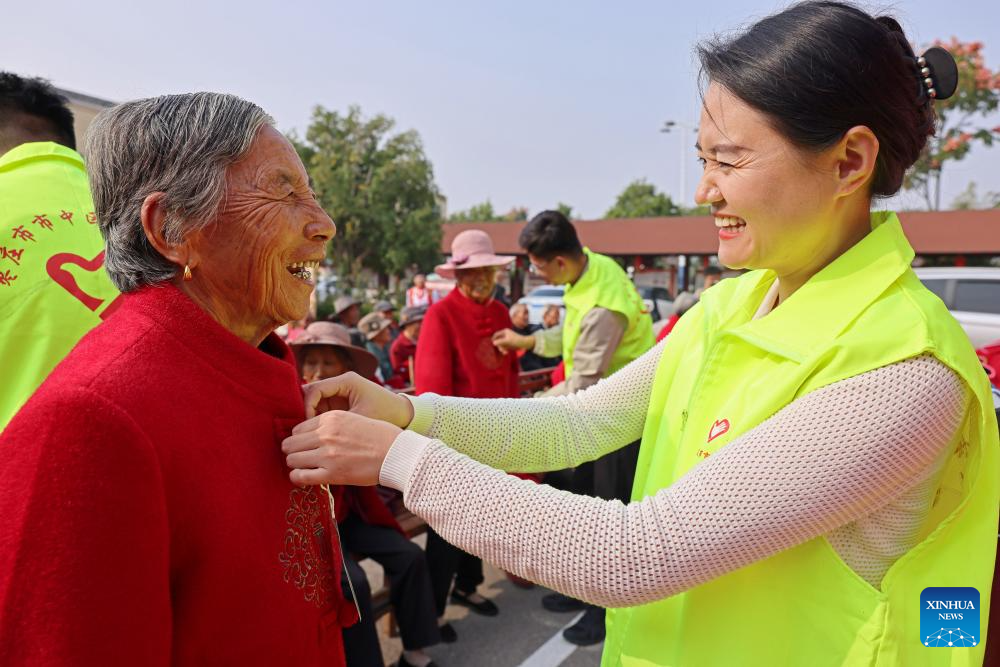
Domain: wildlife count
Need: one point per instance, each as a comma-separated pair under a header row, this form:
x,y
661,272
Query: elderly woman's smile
x,y
305,271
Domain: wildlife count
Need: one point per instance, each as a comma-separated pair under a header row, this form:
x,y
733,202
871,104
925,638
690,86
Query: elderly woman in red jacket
x,y
146,514
456,357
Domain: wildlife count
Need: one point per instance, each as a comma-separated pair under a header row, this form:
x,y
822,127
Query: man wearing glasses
x,y
606,327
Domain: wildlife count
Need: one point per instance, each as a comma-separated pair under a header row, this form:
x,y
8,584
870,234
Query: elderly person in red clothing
x,y
368,528
404,348
145,511
456,357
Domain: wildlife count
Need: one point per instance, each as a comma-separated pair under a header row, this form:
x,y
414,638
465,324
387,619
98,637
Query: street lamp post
x,y
668,127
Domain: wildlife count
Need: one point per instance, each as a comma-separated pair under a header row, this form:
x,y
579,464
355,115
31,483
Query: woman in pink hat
x,y
456,357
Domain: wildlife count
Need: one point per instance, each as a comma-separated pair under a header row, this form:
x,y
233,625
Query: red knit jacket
x,y
456,355
146,515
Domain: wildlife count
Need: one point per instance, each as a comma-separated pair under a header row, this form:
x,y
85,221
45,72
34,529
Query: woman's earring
x,y
187,272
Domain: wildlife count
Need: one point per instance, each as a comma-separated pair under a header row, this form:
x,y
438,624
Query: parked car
x,y
540,297
440,286
972,295
658,302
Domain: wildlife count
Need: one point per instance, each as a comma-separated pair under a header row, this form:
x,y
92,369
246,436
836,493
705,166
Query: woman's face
x,y
256,263
773,202
478,283
320,362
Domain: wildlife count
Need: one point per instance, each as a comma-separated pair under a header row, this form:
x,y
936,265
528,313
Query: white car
x,y
973,297
541,297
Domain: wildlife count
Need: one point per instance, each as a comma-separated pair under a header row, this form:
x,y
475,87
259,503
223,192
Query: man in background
x,y
53,288
606,327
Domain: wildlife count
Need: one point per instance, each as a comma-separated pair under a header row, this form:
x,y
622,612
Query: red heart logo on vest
x,y
54,267
720,427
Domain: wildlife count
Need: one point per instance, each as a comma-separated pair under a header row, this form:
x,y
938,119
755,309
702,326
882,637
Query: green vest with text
x,y
605,285
721,374
53,287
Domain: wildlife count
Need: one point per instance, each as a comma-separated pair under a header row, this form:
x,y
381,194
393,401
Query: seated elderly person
x,y
377,330
404,348
146,514
368,529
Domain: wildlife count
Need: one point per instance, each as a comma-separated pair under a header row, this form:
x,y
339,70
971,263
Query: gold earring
x,y
187,272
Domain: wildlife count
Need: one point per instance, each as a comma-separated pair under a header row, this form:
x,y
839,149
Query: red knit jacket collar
x,y
268,370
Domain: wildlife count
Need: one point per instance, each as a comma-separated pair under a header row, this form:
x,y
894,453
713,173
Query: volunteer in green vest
x,y
53,288
606,327
819,445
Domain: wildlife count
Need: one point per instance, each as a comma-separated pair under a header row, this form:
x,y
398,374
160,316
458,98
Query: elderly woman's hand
x,y
338,447
352,392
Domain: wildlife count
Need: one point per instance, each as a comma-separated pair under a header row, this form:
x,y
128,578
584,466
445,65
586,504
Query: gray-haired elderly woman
x,y
145,506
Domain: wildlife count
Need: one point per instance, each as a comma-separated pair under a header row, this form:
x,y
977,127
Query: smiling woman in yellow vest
x,y
818,439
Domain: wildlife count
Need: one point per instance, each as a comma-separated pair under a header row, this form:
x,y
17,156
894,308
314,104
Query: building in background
x,y
84,108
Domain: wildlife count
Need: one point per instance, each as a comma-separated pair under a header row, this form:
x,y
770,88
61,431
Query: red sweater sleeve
x,y
433,363
84,548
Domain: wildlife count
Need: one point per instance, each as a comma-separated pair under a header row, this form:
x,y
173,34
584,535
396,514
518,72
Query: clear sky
x,y
526,103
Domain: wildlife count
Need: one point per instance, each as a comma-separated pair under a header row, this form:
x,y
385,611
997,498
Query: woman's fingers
x,y
339,448
306,426
309,477
331,392
312,458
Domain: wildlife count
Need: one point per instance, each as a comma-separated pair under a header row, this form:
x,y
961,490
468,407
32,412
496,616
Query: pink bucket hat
x,y
471,249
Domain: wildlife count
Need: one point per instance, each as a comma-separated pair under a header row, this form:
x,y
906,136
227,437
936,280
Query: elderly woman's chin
x,y
292,303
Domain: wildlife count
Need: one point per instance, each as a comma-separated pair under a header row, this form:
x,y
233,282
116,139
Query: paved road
x,y
522,635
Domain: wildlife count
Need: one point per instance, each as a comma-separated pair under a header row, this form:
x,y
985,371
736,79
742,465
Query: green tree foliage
x,y
961,120
482,212
970,199
516,214
565,209
378,186
641,200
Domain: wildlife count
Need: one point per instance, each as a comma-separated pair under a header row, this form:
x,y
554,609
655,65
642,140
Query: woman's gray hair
x,y
180,145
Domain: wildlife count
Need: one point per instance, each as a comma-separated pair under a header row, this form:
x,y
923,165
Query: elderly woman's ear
x,y
153,216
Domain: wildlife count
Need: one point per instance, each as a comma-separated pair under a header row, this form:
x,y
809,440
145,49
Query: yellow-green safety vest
x,y
53,287
723,373
605,285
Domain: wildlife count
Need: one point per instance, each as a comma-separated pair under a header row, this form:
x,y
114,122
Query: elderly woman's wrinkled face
x,y
519,316
477,283
257,262
320,362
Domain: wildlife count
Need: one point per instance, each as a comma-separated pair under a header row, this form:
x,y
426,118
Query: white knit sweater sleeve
x,y
542,434
827,459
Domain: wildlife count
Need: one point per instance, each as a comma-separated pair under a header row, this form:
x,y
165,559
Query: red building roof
x,y
930,233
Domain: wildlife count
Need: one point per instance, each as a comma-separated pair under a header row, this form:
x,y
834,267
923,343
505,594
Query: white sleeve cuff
x,y
423,412
402,459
